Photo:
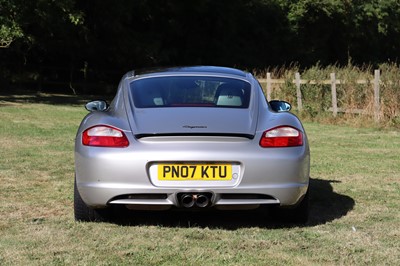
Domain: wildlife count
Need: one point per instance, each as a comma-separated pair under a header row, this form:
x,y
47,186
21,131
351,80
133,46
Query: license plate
x,y
206,172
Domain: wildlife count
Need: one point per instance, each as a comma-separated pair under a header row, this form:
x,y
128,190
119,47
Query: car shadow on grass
x,y
21,97
325,206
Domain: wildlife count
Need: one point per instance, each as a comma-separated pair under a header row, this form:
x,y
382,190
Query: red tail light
x,y
104,136
283,136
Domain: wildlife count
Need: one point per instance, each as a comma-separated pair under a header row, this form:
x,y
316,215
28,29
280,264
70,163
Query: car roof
x,y
192,69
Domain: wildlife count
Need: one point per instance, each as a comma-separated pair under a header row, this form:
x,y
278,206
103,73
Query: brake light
x,y
104,136
283,136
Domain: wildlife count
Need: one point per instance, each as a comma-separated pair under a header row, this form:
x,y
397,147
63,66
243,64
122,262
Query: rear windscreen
x,y
188,91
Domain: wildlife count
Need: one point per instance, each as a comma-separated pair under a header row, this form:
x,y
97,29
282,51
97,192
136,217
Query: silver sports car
x,y
191,138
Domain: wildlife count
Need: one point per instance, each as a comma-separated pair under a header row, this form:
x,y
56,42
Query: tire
x,y
296,215
84,213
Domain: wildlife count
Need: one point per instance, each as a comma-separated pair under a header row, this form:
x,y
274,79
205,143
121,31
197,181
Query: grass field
x,y
355,203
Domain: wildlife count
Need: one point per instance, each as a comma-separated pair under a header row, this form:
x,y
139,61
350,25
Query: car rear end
x,y
226,152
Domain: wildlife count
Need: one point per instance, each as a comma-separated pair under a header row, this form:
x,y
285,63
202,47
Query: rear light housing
x,y
282,136
104,136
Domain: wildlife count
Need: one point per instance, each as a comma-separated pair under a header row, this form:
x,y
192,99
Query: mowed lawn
x,y
355,203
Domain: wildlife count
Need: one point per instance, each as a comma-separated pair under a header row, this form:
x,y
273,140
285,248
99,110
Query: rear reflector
x,y
104,136
283,136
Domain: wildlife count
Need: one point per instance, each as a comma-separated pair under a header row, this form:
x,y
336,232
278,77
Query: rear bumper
x,y
98,195
107,176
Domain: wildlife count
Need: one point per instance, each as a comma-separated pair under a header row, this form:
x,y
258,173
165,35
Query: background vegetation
x,y
354,203
356,99
89,44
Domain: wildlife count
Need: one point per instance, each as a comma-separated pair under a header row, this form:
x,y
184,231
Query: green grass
x,y
355,218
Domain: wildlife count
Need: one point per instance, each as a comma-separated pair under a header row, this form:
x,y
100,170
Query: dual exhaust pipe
x,y
200,200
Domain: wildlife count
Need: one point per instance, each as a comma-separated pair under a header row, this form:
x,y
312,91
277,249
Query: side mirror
x,y
98,105
280,106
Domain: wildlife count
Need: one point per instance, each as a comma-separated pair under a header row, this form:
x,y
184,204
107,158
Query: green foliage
x,y
92,41
390,91
25,19
316,97
9,27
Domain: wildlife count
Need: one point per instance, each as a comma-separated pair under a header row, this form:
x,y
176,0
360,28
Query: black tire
x,y
296,215
84,213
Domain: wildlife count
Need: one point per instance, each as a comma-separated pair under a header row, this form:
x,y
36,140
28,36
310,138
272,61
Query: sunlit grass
x,y
354,205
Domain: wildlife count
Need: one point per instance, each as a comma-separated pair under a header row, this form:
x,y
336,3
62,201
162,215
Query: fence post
x,y
334,97
269,85
299,102
376,95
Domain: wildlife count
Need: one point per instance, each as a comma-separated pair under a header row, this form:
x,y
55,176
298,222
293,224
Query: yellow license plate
x,y
205,172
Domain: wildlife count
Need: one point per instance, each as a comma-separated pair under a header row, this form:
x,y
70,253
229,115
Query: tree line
x,y
97,41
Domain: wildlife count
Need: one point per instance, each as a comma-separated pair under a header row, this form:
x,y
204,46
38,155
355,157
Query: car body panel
x,y
176,121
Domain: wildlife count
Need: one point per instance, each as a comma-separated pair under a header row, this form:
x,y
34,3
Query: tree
x,y
18,18
96,41
9,26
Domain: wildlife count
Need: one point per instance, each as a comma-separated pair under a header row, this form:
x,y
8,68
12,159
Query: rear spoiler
x,y
233,135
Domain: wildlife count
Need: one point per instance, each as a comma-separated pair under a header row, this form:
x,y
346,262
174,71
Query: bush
x,y
355,93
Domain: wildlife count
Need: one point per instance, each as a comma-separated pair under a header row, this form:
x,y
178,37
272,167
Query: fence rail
x,y
375,82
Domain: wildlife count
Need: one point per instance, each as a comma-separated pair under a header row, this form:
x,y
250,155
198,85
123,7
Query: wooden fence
x,y
332,82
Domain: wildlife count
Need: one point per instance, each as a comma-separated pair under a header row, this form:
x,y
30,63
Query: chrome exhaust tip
x,y
187,200
202,201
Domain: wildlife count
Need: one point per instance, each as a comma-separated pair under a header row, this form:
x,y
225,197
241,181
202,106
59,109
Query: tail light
x,y
104,136
283,136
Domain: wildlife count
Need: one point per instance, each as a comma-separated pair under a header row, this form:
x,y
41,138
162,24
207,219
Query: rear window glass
x,y
187,91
